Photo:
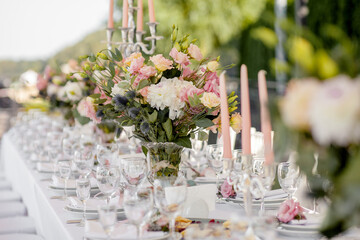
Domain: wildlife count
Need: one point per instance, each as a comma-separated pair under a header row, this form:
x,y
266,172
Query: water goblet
x,y
134,170
138,206
288,176
84,161
65,172
105,153
107,218
108,178
83,187
214,155
170,196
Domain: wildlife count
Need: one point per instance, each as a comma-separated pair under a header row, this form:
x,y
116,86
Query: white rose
x,y
61,94
295,104
335,112
210,100
212,66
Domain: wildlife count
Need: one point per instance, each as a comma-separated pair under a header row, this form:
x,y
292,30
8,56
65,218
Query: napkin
x,y
200,200
71,183
92,203
121,231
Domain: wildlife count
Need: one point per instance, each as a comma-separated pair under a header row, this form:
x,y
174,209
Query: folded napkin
x,y
71,183
311,220
273,194
121,231
200,200
93,203
46,167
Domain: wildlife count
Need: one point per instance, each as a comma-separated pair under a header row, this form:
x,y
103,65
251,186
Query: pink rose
x,y
187,72
194,52
161,63
148,71
90,111
289,210
136,65
179,57
132,57
189,91
144,92
227,190
212,86
41,82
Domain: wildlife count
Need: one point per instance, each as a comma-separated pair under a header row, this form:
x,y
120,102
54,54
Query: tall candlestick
x,y
125,14
245,112
111,15
151,11
225,124
265,118
139,22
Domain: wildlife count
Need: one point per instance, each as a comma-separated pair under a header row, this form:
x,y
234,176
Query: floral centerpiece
x,y
321,121
165,99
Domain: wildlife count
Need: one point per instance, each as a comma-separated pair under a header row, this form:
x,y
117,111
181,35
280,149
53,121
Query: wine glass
x,y
214,155
138,205
67,146
105,153
83,187
107,218
108,178
288,175
84,161
133,170
65,172
54,155
170,197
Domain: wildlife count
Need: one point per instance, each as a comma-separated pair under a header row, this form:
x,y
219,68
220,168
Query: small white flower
x,y
116,90
73,91
335,112
61,94
52,89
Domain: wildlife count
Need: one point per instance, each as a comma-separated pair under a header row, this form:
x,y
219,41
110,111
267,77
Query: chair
x,y
12,209
5,185
20,224
9,196
20,236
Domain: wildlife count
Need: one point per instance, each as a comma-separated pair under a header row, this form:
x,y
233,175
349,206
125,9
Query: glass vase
x,y
163,159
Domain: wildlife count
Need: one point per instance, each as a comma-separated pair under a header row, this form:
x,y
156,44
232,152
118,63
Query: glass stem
x,y
172,228
84,213
262,206
138,231
65,188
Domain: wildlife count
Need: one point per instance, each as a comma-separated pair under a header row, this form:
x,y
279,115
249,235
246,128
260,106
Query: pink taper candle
x,y
265,118
245,111
151,11
139,22
125,14
111,15
224,112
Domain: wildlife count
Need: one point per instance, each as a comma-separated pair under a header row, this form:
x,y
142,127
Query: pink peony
x,y
227,190
90,111
288,210
212,86
41,82
194,52
161,63
147,71
136,65
179,57
132,57
187,72
189,91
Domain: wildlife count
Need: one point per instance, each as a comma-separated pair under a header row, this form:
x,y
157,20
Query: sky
x,y
37,29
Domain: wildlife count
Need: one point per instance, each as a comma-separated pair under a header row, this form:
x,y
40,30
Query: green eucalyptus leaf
x,y
183,141
204,123
92,58
112,69
153,117
168,129
81,119
143,83
203,136
95,95
124,85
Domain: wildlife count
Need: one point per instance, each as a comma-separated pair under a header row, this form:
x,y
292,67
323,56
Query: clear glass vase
x,y
163,159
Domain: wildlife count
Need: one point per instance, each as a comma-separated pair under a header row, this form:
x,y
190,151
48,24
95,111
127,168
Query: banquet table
x,y
48,213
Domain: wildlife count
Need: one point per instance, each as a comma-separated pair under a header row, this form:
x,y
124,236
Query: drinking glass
x,y
54,156
214,155
170,196
107,218
288,175
108,178
84,161
138,206
105,153
67,146
133,170
65,172
83,193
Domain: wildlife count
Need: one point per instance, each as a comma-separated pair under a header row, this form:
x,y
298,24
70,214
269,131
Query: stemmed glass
x,y
65,172
214,154
138,206
133,170
107,218
170,197
108,178
83,187
105,153
68,146
84,161
288,176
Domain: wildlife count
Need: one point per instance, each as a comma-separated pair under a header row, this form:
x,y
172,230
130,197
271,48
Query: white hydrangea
x,y
73,91
167,94
335,112
116,90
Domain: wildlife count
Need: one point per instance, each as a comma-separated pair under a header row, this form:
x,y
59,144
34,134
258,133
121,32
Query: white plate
x,y
298,234
91,214
258,202
207,180
295,227
71,191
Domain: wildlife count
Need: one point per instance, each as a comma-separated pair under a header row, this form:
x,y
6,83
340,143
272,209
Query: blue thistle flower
x,y
130,94
145,127
133,112
100,113
120,101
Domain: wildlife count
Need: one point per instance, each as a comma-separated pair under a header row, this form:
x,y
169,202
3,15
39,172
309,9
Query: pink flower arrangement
x,y
189,91
161,63
194,52
290,210
179,57
41,83
227,190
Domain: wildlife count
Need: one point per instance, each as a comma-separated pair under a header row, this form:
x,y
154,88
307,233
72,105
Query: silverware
x,y
57,197
78,221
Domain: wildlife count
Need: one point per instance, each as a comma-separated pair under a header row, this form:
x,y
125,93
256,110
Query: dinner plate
x,y
298,234
71,191
91,214
206,180
296,227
